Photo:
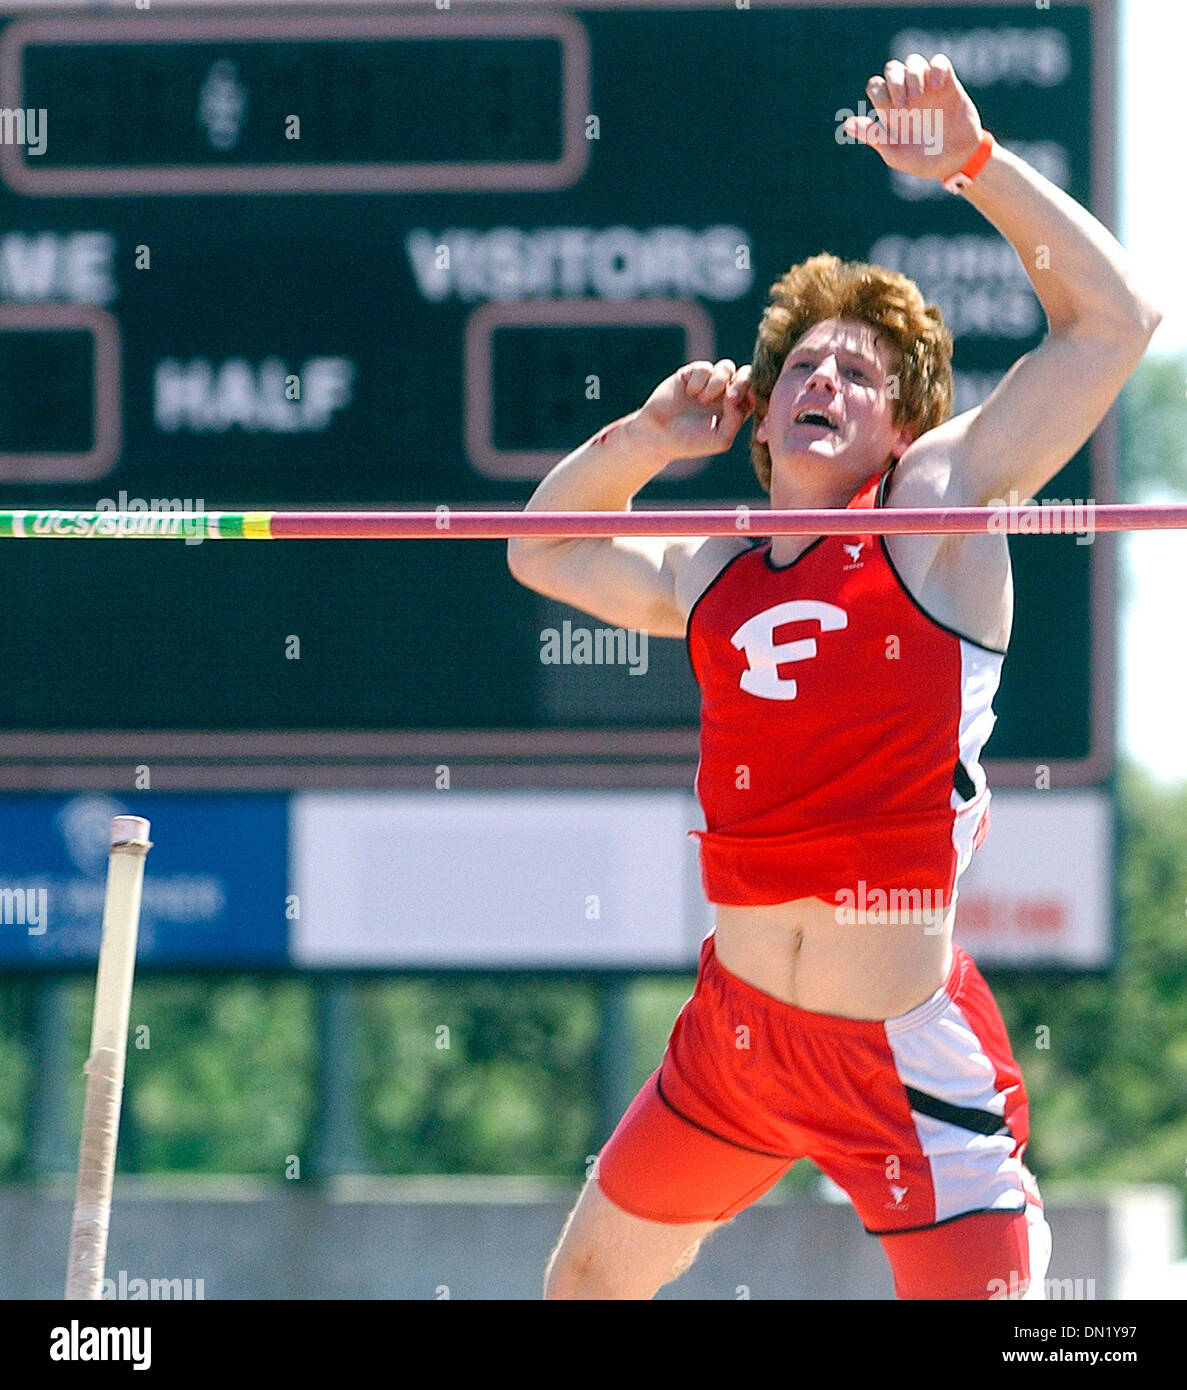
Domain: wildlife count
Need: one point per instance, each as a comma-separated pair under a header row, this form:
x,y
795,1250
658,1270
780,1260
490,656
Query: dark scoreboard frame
x,y
266,759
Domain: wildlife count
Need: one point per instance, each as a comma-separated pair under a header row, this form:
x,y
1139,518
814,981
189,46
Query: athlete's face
x,y
830,421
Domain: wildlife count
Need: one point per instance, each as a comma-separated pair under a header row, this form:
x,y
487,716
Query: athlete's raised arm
x,y
631,581
1100,323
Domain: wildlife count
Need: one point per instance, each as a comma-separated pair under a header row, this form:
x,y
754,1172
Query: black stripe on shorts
x,y
979,1121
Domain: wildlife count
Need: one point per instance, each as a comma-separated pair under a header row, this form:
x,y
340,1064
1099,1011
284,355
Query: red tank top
x,y
841,730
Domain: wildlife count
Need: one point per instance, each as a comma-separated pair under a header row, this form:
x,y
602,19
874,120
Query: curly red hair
x,y
825,287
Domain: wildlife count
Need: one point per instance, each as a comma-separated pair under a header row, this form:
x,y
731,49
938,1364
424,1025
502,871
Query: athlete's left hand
x,y
927,123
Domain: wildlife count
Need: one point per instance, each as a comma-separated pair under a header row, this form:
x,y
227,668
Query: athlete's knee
x,y
591,1271
583,1265
592,1274
593,1260
562,1275
566,1270
580,1277
685,1261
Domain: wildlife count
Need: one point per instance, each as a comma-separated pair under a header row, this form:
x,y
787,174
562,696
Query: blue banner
x,y
215,880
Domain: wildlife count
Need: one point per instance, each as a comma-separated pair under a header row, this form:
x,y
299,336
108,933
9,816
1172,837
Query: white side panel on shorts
x,y
943,1057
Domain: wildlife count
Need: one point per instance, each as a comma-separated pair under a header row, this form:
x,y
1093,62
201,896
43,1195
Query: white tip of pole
x,y
129,830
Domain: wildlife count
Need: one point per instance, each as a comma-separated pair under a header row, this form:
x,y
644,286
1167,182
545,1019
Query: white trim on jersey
x,y
980,674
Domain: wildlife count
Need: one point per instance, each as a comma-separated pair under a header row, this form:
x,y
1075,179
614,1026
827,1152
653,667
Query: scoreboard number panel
x,y
387,258
207,104
59,391
543,373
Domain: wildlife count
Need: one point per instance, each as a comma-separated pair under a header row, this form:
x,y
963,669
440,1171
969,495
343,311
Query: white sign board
x,y
593,880
609,880
1039,890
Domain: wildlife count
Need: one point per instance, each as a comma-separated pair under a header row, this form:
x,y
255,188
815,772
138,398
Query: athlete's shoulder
x,y
704,563
962,582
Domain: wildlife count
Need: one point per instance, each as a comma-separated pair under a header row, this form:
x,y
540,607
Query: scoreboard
x,y
401,256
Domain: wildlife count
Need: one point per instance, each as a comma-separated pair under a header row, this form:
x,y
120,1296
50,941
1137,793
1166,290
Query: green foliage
x,y
654,1004
218,1073
476,1075
1109,1091
15,1069
225,1082
1153,429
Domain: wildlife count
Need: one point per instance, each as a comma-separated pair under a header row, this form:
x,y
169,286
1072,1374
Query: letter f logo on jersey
x,y
756,637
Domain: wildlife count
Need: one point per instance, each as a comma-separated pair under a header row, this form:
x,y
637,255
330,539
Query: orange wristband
x,y
958,182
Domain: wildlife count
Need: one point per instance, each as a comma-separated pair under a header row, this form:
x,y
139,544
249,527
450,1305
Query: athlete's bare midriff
x,y
799,952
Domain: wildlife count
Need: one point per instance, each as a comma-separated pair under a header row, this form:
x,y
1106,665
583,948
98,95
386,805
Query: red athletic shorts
x,y
921,1119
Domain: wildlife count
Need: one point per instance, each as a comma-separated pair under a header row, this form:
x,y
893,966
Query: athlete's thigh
x,y
605,1252
982,1255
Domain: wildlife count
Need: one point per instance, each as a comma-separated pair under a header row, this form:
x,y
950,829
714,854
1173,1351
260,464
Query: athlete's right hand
x,y
699,409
